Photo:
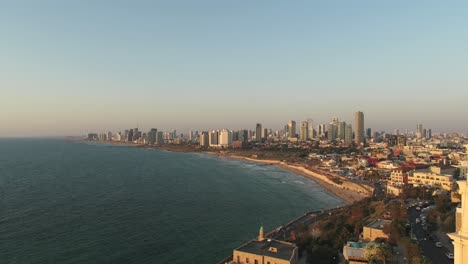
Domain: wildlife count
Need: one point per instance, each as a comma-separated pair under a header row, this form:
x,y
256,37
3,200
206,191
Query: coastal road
x,y
434,254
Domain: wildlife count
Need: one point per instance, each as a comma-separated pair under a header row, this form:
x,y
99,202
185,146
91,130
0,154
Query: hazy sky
x,y
69,67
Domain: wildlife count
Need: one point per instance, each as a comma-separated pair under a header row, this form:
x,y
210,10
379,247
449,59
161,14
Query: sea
x,y
80,202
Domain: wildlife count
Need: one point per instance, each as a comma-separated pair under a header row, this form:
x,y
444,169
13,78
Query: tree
x,y
376,253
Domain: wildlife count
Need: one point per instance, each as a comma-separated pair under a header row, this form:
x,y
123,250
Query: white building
x,y
460,237
225,138
464,165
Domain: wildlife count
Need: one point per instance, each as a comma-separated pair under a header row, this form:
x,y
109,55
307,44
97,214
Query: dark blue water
x,y
63,202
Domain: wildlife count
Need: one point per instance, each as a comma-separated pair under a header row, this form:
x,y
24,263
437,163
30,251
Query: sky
x,y
73,67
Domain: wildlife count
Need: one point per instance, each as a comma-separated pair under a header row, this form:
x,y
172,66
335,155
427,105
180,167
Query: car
x,y
449,255
418,208
438,244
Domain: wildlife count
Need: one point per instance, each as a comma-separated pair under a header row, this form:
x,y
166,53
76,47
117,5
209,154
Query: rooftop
x,y
283,250
379,224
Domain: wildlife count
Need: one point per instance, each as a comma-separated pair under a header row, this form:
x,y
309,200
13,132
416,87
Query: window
x,y
246,260
256,261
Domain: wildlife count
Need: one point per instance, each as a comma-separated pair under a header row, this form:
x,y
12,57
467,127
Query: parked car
x,y
438,244
449,255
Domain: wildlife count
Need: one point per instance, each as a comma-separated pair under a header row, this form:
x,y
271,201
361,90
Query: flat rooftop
x,y
284,250
379,224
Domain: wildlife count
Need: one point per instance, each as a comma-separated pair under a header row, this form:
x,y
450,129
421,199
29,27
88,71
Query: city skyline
x,y
71,68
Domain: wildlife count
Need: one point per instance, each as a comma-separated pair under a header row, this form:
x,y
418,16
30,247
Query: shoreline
x,y
348,192
345,194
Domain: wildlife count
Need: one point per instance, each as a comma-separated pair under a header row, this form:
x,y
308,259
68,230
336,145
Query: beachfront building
x,y
204,139
225,138
265,251
460,237
374,230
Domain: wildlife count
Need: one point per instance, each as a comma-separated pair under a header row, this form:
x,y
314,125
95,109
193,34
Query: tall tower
x,y
292,128
349,133
460,237
419,131
258,132
359,127
304,132
310,129
341,130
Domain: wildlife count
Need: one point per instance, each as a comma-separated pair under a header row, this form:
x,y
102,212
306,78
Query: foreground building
x,y
265,251
375,230
353,252
460,237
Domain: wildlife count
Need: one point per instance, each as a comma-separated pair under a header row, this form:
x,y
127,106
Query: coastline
x,y
343,192
347,191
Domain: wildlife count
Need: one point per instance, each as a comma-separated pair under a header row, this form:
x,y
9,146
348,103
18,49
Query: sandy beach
x,y
348,191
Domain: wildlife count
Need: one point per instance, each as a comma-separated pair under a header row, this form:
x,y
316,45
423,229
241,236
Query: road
x,y
434,254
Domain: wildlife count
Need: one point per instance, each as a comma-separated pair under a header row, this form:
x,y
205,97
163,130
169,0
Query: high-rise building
x,y
359,127
225,138
243,136
349,133
292,128
369,133
460,236
264,133
190,135
258,132
159,138
310,128
429,133
152,134
419,131
322,129
332,131
341,130
204,139
130,135
396,132
214,138
304,132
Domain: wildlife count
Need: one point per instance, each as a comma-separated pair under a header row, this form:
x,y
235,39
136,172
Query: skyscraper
x,y
419,131
214,138
349,133
190,135
332,129
152,134
341,130
258,132
204,139
130,135
359,127
304,132
225,138
310,128
292,128
322,130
